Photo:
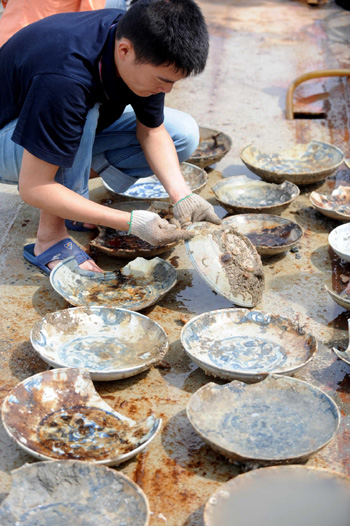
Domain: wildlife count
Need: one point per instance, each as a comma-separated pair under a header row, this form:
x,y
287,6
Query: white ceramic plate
x,y
339,240
110,343
246,345
138,285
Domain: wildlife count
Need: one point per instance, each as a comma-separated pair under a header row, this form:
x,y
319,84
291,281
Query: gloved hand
x,y
194,208
155,230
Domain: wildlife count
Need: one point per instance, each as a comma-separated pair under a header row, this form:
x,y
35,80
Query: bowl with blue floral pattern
x,y
68,492
246,345
110,343
58,415
277,420
137,285
302,164
149,188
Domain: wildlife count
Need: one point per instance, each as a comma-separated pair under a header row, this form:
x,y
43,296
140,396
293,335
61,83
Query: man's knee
x,y
184,131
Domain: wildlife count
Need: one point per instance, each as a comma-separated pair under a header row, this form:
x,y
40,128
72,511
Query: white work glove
x,y
193,208
155,230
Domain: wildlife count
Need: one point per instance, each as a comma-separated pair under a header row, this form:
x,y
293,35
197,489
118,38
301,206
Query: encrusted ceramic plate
x,y
139,284
151,188
342,298
281,495
339,240
336,205
243,195
269,234
119,244
345,354
110,343
279,419
213,146
246,345
58,415
227,261
68,492
302,164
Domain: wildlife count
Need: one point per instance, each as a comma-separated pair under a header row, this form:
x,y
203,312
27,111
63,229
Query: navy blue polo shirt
x,y
54,71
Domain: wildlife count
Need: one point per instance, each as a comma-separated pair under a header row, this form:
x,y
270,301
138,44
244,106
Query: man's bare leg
x,y
51,230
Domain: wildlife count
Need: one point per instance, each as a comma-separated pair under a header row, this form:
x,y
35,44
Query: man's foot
x,y
46,256
78,226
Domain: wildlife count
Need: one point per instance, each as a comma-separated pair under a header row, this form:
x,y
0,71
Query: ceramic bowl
x,y
58,415
342,299
213,146
336,205
279,419
339,240
246,345
149,188
344,355
118,244
243,195
302,164
269,234
300,495
138,285
110,343
68,492
227,261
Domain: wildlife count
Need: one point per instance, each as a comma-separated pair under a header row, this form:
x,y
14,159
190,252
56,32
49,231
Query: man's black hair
x,y
167,32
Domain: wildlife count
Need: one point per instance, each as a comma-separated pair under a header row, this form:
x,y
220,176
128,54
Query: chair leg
x,y
308,76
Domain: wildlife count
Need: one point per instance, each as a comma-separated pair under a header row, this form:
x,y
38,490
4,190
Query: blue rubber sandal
x,y
61,250
78,226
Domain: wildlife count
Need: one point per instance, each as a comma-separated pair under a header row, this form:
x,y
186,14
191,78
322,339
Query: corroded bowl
x,y
269,234
213,146
138,285
302,164
110,343
149,188
118,244
302,495
243,195
227,261
246,345
58,415
68,492
279,419
336,205
341,298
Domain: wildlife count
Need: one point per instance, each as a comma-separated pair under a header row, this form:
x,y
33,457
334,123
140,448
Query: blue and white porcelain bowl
x,y
110,343
246,344
279,419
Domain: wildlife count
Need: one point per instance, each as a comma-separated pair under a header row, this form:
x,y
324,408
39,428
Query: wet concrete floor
x,y
257,49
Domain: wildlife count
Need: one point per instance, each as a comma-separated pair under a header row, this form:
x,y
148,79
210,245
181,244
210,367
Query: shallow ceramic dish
x,y
269,234
110,343
347,163
279,419
139,284
246,345
227,261
213,146
303,496
68,492
244,195
118,244
341,298
58,415
336,205
344,355
303,164
339,240
151,188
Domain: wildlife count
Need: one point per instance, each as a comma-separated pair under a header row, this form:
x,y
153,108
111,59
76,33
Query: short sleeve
x,y
149,110
52,119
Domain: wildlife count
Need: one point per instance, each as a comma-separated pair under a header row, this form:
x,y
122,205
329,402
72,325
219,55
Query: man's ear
x,y
124,49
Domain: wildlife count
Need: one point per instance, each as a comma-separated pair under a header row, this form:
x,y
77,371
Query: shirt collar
x,y
111,83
